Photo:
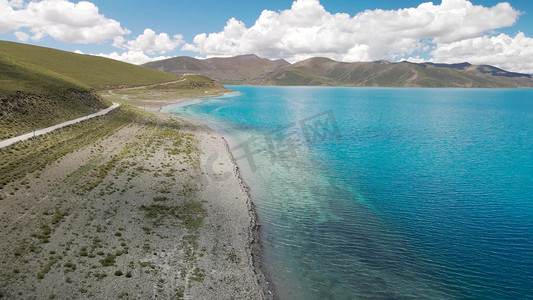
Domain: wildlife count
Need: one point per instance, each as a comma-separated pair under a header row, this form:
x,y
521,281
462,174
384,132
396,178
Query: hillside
x,y
231,70
40,87
323,71
96,72
34,97
155,96
250,69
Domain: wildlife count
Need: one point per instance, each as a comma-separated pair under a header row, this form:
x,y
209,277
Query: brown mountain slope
x,y
231,70
250,69
323,71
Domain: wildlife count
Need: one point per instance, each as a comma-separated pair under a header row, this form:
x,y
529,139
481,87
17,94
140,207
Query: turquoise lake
x,y
385,192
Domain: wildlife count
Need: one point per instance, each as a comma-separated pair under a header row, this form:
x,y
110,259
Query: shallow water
x,y
393,193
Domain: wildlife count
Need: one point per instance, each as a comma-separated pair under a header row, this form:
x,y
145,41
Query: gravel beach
x,y
156,210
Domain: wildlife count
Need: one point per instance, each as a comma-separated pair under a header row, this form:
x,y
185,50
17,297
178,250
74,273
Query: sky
x,y
138,31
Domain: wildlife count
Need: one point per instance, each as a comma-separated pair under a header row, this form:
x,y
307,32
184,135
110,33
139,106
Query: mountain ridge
x,y
251,69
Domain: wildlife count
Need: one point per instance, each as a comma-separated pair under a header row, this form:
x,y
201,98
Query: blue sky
x,y
119,29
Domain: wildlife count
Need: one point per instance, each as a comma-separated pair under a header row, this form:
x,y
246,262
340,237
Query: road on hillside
x,y
126,97
26,136
149,86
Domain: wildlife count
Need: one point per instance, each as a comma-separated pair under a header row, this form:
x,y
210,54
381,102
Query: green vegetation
x,y
118,153
96,72
189,81
101,172
52,261
34,97
17,75
160,198
41,87
187,86
108,261
191,213
44,236
21,158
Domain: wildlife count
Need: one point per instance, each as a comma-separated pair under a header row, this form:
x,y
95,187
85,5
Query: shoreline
x,y
156,105
132,214
254,236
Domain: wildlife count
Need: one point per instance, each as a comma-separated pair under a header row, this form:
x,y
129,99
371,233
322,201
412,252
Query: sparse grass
x,y
83,252
108,261
52,261
194,86
198,274
101,251
20,159
146,230
100,276
99,173
58,217
45,233
191,213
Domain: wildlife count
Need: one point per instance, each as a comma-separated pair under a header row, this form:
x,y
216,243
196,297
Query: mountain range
x,y
319,71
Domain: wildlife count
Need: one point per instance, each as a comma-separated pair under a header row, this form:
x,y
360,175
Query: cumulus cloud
x,y
63,20
307,30
22,36
16,3
503,51
147,43
150,42
132,56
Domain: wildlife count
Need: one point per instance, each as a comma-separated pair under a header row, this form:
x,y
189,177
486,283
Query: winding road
x,y
26,136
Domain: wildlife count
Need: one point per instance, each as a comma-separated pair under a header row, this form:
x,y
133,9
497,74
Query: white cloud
x,y
307,30
139,49
509,53
150,42
16,3
131,56
415,59
63,20
22,36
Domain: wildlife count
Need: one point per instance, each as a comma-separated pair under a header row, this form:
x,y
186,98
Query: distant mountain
x,y
232,70
319,71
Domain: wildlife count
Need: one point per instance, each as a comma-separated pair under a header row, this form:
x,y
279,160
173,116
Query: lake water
x,y
390,193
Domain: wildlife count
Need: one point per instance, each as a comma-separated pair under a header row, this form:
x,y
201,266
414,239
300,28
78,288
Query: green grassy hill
x,y
40,87
96,72
34,97
19,76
